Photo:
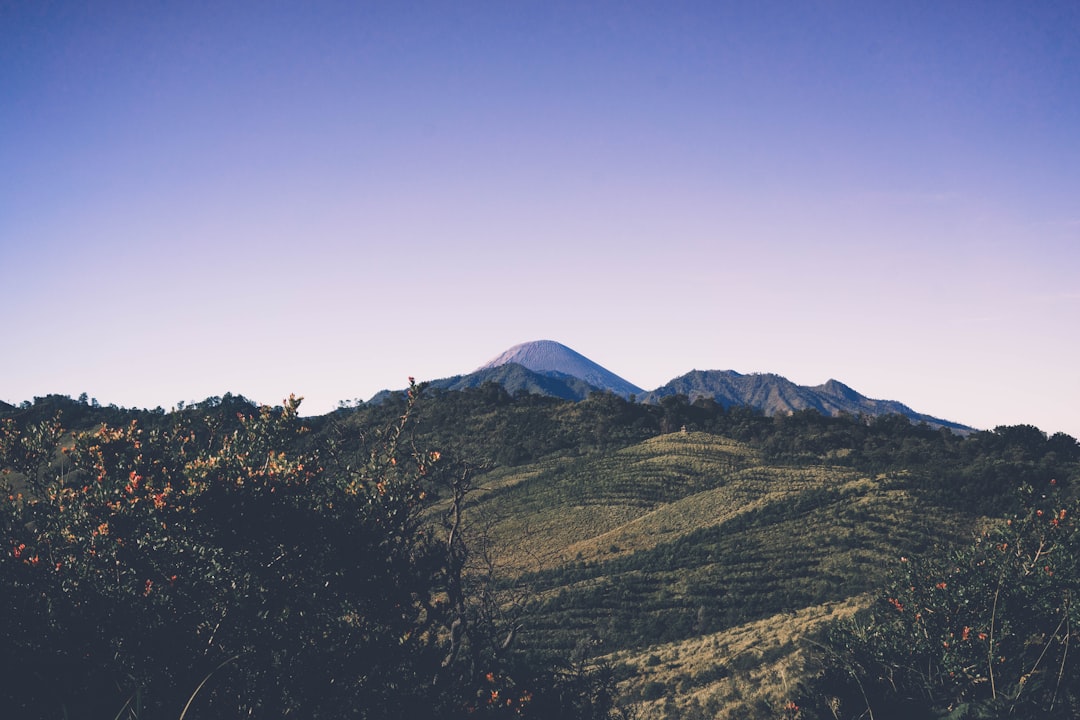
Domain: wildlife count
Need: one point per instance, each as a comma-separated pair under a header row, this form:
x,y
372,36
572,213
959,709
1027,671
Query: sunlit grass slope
x,y
748,671
562,509
687,536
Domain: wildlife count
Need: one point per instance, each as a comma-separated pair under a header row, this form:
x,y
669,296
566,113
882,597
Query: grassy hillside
x,y
563,508
746,671
676,542
619,542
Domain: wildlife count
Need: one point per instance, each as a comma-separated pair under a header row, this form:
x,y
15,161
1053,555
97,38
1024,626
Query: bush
x,y
982,632
217,568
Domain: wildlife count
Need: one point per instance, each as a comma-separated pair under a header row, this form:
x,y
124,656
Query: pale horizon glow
x,y
326,198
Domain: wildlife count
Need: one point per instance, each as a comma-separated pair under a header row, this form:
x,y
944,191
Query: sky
x,y
325,198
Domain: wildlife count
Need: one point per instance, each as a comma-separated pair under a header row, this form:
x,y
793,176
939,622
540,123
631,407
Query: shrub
x,y
217,568
982,632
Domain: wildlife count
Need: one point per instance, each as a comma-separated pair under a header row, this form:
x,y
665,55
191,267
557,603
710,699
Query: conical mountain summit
x,y
553,359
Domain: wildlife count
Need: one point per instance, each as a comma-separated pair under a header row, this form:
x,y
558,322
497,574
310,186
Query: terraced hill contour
x,y
670,545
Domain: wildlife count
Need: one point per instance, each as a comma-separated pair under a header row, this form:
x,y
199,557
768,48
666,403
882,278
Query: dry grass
x,y
747,532
763,661
561,510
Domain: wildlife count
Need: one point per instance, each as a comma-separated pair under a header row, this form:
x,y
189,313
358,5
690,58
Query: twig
x,y
990,643
1064,655
1038,660
200,686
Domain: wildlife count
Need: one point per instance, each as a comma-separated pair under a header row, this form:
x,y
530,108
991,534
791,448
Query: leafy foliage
x,y
986,631
214,565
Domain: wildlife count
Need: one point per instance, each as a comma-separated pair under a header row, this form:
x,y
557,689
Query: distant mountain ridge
x,y
546,367
774,394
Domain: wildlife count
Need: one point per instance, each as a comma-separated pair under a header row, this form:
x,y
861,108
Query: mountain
x,y
774,394
546,367
515,378
555,360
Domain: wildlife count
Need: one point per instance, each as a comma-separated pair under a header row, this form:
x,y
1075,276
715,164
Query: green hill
x,y
687,536
693,551
622,543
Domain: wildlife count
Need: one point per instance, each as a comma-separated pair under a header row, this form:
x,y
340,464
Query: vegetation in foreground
x,y
591,555
985,631
205,567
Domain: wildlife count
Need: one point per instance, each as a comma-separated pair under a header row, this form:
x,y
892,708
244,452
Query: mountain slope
x,y
553,359
515,378
774,394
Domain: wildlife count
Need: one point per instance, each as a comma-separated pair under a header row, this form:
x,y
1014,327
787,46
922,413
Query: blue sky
x,y
325,198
